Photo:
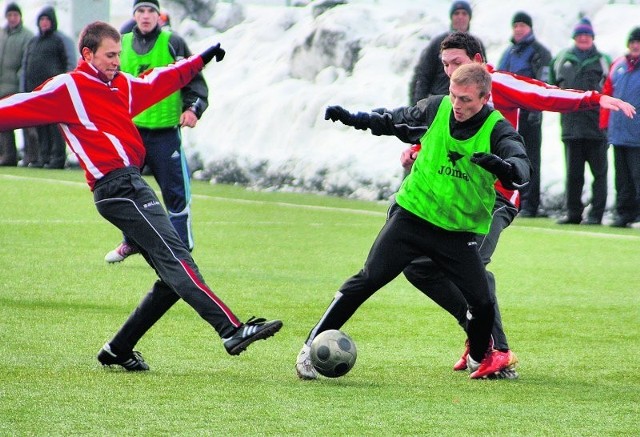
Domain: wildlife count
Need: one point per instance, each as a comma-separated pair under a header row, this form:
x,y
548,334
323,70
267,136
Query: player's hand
x,y
494,164
335,113
213,52
408,156
359,120
188,119
613,104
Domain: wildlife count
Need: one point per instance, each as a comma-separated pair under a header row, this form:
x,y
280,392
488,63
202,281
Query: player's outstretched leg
x,y
254,329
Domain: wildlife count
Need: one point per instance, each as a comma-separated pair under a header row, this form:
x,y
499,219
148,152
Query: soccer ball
x,y
333,353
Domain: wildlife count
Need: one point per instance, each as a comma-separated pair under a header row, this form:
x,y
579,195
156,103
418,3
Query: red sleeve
x,y
49,103
607,89
512,91
160,82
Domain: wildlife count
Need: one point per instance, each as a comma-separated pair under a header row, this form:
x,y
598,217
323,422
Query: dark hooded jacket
x,y
46,55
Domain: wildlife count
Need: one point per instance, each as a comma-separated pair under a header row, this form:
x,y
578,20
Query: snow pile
x,y
284,65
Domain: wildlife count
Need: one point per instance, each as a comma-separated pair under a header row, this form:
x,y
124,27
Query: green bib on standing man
x,y
148,46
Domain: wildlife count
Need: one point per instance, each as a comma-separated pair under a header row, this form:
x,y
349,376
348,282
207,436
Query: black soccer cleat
x,y
132,361
254,329
508,373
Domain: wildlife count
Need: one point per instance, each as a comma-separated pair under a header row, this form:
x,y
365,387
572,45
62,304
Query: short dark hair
x,y
464,41
93,34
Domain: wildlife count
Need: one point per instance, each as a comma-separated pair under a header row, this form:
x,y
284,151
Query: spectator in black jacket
x,y
527,57
47,56
583,67
429,78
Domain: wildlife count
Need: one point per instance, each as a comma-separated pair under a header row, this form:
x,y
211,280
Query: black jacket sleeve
x,y
426,71
507,143
408,123
195,94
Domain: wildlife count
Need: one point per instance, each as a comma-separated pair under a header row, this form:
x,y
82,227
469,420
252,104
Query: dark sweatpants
x,y
532,135
125,199
427,277
403,238
627,179
577,153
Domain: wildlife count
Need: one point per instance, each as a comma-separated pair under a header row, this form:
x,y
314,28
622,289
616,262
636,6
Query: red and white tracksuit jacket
x,y
94,115
511,92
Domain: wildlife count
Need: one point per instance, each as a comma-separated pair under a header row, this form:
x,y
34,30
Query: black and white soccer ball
x,y
333,353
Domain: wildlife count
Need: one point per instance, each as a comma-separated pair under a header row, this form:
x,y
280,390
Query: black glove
x,y
335,113
359,120
496,165
213,51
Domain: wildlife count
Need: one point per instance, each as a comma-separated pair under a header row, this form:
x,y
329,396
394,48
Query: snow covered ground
x,y
284,66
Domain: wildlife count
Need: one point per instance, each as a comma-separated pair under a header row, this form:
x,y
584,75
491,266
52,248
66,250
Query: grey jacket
x,y
13,43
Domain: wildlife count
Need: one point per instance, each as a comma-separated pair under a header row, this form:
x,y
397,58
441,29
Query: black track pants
x,y
125,199
404,238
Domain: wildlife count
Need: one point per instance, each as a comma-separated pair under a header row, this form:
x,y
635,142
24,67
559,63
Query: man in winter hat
x,y
13,43
460,4
583,67
634,35
623,81
527,57
429,78
583,27
522,17
146,3
47,55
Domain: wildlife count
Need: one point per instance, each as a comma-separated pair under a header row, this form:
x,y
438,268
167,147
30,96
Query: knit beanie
x,y
583,28
148,3
460,4
634,35
522,17
12,7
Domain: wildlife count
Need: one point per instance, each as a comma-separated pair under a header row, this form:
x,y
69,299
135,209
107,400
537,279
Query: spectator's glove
x,y
496,165
213,52
359,120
